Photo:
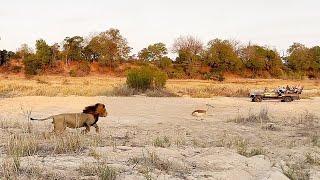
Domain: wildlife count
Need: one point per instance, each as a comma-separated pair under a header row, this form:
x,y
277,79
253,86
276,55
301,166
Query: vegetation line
x,y
109,53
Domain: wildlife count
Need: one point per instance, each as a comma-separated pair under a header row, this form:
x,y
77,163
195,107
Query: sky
x,y
273,23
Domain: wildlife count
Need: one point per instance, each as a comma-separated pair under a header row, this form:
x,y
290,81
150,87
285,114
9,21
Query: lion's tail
x,y
33,119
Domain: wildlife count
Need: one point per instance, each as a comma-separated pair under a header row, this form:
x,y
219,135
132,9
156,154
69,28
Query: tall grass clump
x,y
21,145
296,171
144,78
103,171
162,142
73,143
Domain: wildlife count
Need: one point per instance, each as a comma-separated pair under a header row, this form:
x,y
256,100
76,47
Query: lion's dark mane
x,y
92,110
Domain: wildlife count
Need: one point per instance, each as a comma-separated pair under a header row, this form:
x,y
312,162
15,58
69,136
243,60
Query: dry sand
x,y
198,149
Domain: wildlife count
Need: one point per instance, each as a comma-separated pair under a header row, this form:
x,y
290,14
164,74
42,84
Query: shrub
x,y
277,72
177,73
73,73
163,142
55,68
122,90
146,77
218,77
82,69
160,79
16,69
32,65
42,80
165,63
140,78
103,171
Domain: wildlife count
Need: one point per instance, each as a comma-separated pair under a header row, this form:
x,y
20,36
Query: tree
x,y
188,44
11,54
188,49
315,58
153,53
32,65
258,59
24,51
110,47
73,48
89,55
299,58
55,52
253,58
221,56
165,63
43,52
4,57
273,59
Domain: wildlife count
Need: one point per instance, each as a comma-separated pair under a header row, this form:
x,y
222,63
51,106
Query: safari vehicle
x,y
287,94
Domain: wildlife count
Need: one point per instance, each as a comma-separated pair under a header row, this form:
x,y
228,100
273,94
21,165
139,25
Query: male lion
x,y
89,117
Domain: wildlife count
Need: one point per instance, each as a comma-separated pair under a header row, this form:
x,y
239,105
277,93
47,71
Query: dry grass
x,y
40,143
296,171
6,123
22,145
256,151
9,169
98,86
262,117
123,90
241,145
65,82
180,142
59,86
150,161
101,170
42,80
236,87
28,141
312,159
163,142
308,126
72,143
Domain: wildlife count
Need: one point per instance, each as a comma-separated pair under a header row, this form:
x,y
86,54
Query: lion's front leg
x,y
86,130
97,128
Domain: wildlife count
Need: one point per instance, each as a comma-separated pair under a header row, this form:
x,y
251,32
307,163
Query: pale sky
x,y
274,23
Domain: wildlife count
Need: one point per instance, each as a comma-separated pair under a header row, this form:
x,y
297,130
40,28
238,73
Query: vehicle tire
x,y
257,99
287,99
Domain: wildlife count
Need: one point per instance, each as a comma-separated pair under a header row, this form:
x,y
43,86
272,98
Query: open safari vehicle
x,y
285,94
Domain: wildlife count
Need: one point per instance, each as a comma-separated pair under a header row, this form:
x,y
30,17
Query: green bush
x,y
295,75
144,78
276,72
160,79
165,63
140,78
32,66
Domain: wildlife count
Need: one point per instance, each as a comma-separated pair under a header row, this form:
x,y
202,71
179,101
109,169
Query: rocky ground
x,y
157,138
